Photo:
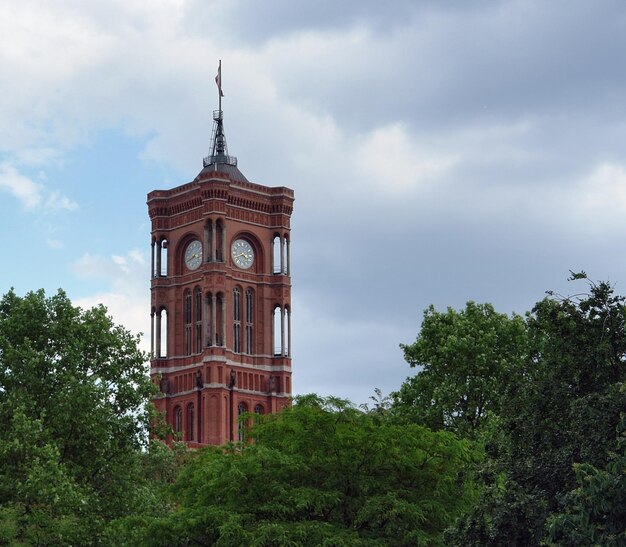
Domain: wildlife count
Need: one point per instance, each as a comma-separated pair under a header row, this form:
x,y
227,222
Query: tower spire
x,y
219,150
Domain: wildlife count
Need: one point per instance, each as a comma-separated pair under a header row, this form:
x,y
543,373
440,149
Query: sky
x,y
440,151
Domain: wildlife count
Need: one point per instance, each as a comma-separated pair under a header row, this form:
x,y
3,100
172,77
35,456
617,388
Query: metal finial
x,y
219,150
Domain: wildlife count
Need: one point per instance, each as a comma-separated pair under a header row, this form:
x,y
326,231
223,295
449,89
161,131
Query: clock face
x,y
193,255
242,253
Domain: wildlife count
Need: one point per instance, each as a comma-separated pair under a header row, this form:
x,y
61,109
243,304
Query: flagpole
x,y
219,88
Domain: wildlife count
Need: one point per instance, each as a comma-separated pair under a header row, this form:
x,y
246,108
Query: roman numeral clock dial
x,y
242,254
193,255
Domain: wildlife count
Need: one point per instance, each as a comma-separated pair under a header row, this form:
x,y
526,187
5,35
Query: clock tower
x,y
221,298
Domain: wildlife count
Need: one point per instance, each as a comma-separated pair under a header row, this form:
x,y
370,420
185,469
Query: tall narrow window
x,y
162,258
208,241
241,431
277,264
190,422
277,330
178,419
249,321
210,318
258,411
161,333
187,320
219,241
287,331
198,311
219,320
236,320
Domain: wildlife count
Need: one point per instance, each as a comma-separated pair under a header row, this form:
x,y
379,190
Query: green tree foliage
x,y
594,513
319,473
464,357
559,420
73,416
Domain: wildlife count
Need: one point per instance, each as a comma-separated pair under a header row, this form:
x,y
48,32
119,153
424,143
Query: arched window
x,y
287,332
159,333
258,411
280,254
277,330
249,321
178,419
276,254
187,320
236,320
219,320
281,331
159,258
209,244
236,304
190,422
210,319
241,431
219,241
198,325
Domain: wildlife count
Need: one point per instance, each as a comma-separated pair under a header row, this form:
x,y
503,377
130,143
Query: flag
x,y
218,79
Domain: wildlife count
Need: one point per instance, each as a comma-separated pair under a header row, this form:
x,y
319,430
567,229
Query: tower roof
x,y
227,168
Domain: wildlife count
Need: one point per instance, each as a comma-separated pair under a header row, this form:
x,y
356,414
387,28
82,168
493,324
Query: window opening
x,y
237,320
241,410
190,422
249,320
187,320
198,310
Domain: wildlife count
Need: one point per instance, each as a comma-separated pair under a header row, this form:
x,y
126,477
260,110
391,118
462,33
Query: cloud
x,y
439,150
29,193
57,202
127,293
32,195
118,269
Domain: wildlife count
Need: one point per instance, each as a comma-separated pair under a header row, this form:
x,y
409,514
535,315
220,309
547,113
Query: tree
x,y
74,396
464,357
320,472
593,513
558,426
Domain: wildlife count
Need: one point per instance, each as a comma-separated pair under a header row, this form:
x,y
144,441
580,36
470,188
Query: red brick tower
x,y
221,298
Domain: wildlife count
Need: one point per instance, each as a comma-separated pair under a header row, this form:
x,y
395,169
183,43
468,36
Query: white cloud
x,y
57,202
599,200
114,268
128,295
25,190
33,195
392,163
54,243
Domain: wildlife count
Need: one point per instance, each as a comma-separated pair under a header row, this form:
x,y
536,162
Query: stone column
x,y
158,334
282,255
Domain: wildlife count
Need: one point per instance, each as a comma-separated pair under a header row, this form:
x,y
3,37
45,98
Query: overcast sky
x,y
440,151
